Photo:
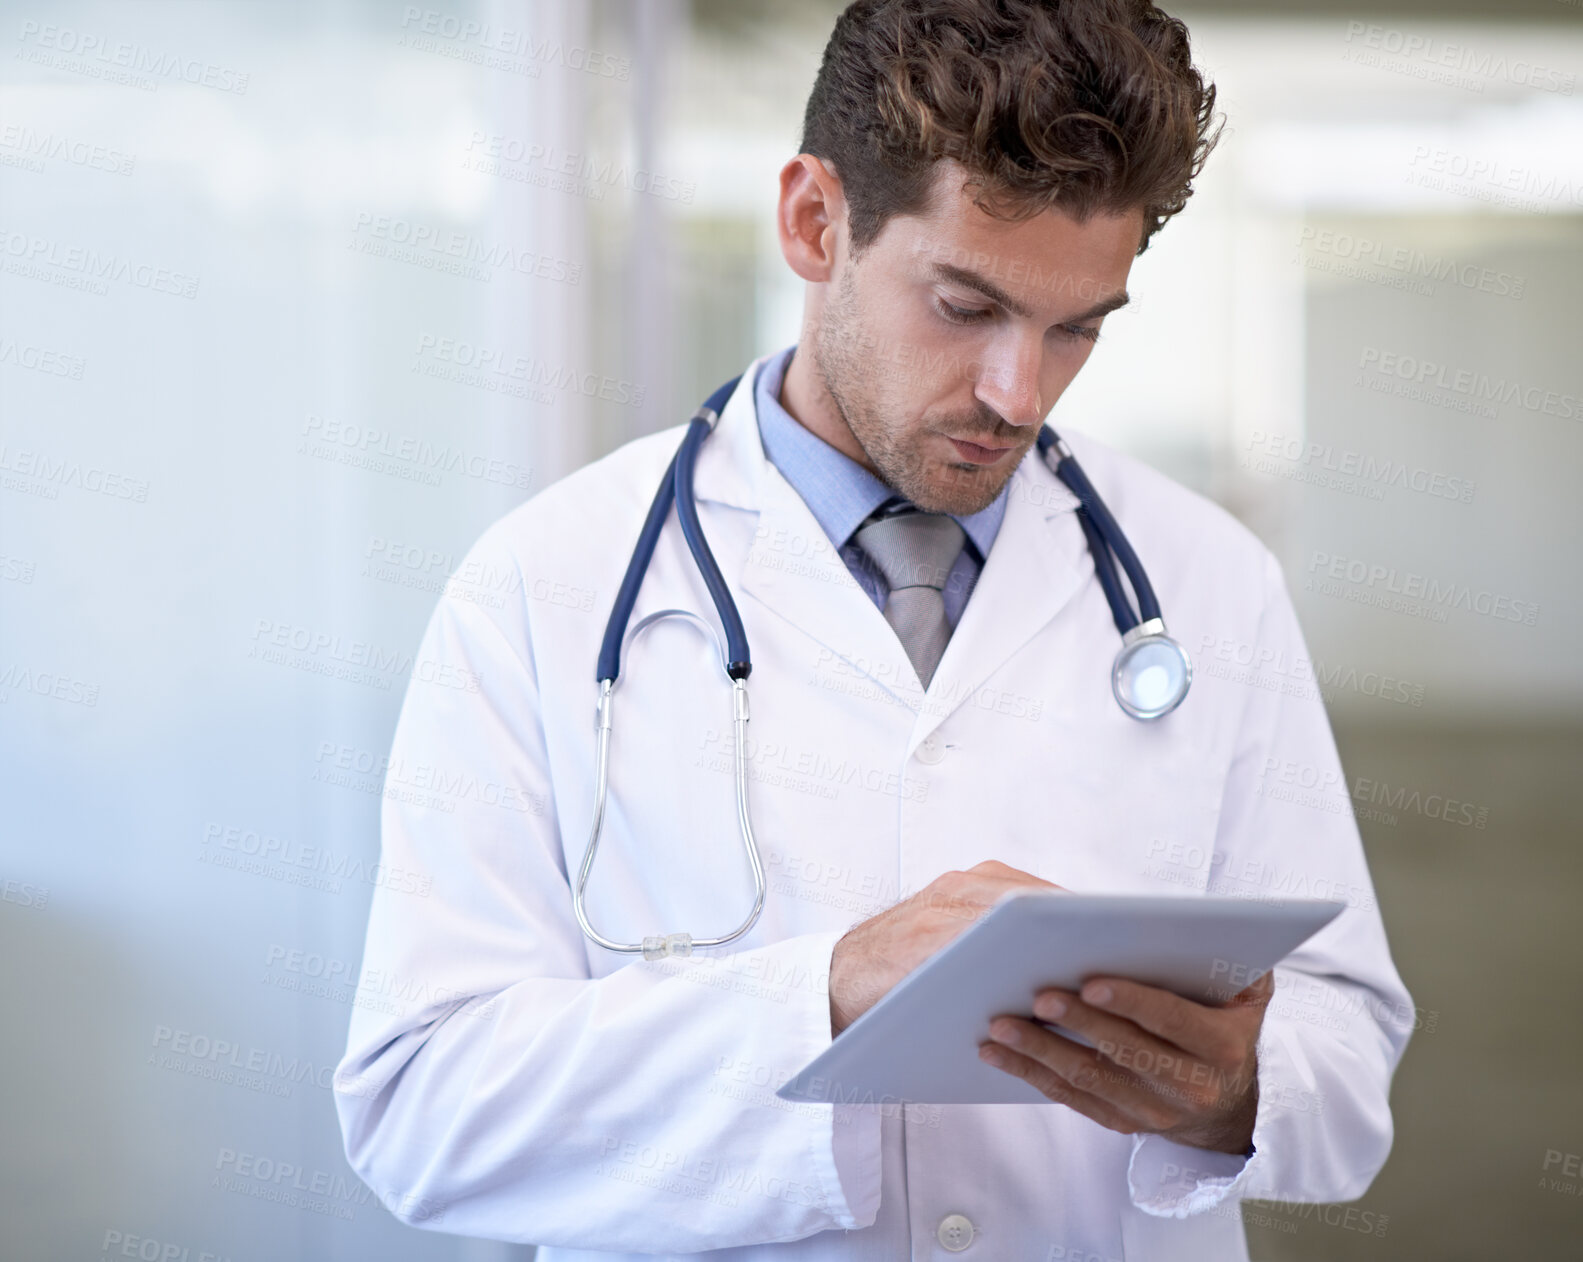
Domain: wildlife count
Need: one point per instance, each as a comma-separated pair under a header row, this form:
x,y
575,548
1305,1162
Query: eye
x,y
960,315
1088,332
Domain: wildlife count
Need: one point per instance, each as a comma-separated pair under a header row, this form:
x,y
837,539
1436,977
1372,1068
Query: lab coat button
x,y
955,1232
931,749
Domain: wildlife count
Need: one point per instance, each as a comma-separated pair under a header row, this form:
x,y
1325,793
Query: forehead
x,y
1038,259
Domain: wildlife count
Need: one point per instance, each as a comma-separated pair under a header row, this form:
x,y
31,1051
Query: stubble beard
x,y
936,486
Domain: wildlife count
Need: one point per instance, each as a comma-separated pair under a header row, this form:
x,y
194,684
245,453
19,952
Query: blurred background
x,y
259,266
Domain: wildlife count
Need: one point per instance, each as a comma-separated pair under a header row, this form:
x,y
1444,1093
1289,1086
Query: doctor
x,y
932,724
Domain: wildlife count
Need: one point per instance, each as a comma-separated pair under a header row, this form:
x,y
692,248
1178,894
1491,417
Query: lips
x,y
980,453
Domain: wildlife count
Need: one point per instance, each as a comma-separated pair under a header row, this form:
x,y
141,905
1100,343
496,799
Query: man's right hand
x,y
878,953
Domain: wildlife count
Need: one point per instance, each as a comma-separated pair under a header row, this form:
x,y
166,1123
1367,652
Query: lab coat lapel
x,y
795,570
1036,564
731,464
792,568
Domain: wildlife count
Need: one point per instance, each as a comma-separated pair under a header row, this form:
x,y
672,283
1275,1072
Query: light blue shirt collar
x,y
838,491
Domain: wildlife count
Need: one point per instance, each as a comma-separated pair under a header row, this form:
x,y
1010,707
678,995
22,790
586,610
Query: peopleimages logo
x,y
1464,382
1488,179
405,455
1445,61
475,40
36,146
489,366
120,61
1322,245
514,157
1429,594
1310,461
84,267
450,249
1273,670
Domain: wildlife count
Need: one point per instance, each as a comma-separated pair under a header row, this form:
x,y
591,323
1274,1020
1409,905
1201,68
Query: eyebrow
x,y
988,288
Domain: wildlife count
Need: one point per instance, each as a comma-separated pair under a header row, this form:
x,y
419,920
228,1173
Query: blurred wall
x,y
291,311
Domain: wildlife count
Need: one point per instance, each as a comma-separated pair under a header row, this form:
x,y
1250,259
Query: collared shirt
x,y
841,494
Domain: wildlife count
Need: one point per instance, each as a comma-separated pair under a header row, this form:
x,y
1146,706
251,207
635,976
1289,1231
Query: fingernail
x,y
1006,1032
990,1056
1098,994
1049,1008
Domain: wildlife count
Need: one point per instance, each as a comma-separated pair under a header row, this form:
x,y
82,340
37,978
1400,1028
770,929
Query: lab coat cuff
x,y
1172,1180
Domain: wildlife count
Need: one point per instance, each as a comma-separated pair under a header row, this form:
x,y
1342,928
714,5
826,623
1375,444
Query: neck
x,y
808,402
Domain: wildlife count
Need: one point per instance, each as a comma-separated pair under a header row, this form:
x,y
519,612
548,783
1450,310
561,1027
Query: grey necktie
x,y
915,551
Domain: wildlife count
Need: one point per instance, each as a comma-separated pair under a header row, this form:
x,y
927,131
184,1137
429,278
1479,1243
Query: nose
x,y
1008,380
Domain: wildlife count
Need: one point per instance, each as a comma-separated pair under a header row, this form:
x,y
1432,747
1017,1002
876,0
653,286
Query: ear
x,y
810,218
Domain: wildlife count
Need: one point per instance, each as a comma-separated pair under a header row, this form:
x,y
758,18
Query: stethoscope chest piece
x,y
1152,672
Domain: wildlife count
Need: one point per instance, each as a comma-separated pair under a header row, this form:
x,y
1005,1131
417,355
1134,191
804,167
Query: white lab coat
x,y
505,1078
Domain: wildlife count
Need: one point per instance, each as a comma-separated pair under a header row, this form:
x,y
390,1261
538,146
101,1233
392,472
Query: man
x,y
932,727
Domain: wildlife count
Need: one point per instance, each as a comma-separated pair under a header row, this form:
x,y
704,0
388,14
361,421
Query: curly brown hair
x,y
1077,105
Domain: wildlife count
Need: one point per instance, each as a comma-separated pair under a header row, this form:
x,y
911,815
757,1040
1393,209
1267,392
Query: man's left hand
x,y
1160,1064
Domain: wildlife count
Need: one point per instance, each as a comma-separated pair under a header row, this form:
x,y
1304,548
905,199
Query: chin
x,y
961,489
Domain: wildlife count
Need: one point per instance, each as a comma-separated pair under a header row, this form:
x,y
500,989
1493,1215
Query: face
x,y
945,344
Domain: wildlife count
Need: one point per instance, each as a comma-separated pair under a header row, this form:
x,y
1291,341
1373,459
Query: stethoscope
x,y
1150,676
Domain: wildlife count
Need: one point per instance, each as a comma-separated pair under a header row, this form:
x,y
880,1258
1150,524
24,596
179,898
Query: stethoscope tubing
x,y
681,944
1106,542
1094,513
677,487
739,662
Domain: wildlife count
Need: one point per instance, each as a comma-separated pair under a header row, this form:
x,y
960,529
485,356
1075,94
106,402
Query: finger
x,y
990,880
968,895
1166,1067
996,870
1045,1080
1219,1036
1086,1071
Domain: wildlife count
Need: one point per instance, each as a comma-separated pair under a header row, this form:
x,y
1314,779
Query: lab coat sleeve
x,y
492,1087
1340,1016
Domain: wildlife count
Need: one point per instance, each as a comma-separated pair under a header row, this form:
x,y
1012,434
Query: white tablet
x,y
920,1042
